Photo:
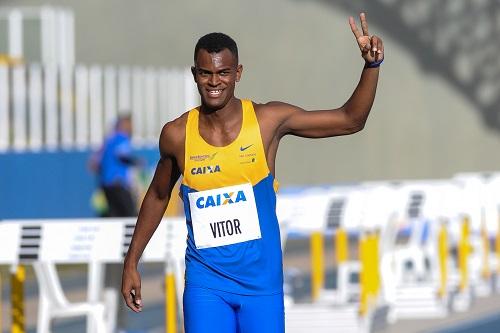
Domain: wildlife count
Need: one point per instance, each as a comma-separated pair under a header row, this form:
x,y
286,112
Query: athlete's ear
x,y
239,70
193,71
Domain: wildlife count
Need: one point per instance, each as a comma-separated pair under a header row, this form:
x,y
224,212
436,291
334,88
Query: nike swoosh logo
x,y
245,148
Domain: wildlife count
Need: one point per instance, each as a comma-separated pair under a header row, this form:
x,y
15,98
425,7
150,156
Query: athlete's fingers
x,y
374,41
129,300
354,28
129,295
380,50
366,47
138,298
364,24
131,289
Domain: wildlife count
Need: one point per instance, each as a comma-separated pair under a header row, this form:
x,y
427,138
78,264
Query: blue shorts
x,y
209,310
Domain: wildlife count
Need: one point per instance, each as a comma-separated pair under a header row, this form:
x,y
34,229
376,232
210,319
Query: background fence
x,y
57,107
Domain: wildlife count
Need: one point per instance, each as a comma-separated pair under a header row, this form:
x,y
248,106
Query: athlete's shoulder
x,y
175,128
274,110
274,106
173,134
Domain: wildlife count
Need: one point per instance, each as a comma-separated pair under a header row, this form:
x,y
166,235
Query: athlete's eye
x,y
225,73
203,73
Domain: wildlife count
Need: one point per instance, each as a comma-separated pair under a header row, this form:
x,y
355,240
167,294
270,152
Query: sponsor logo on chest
x,y
220,199
205,169
202,157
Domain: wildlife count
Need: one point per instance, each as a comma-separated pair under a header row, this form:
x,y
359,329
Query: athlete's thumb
x,y
137,297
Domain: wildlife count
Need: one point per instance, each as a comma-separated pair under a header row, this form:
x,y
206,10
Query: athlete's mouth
x,y
215,92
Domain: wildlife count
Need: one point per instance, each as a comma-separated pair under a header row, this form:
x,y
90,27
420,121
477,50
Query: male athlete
x,y
225,150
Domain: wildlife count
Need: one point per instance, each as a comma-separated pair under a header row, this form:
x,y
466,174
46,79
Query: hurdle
x,y
93,242
420,286
369,274
343,309
497,257
317,264
462,299
170,299
18,275
443,261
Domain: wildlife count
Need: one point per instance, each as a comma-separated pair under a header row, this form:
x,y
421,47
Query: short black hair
x,y
215,42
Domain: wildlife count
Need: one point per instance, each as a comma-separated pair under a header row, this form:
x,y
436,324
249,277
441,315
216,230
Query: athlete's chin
x,y
214,103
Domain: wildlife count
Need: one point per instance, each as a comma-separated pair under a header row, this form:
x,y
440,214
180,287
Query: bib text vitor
x,y
224,216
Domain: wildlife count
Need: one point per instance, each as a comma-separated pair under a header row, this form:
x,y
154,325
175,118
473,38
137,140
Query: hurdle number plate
x,y
224,216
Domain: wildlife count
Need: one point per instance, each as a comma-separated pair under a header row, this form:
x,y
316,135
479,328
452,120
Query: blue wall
x,y
50,184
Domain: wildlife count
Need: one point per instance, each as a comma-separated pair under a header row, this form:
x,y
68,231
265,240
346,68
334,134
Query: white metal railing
x,y
52,107
56,35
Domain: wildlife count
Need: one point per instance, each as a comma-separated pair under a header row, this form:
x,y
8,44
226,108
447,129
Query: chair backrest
x,y
49,285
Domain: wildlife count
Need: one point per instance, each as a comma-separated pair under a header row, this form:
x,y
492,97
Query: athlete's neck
x,y
228,114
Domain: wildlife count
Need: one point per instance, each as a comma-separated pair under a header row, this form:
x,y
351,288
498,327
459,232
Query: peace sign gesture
x,y
372,48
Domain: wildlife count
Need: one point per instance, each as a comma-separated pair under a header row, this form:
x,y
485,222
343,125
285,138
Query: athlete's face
x,y
216,75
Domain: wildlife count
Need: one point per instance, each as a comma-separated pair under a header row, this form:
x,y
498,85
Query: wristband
x,y
374,64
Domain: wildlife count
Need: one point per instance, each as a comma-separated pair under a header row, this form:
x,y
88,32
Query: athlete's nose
x,y
214,79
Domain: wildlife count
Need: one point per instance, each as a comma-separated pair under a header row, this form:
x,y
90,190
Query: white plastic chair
x,y
53,303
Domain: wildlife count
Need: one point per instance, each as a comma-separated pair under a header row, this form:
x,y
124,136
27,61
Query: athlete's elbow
x,y
354,121
360,126
356,126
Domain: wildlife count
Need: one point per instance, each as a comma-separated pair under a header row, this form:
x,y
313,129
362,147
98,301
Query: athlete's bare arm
x,y
278,119
152,209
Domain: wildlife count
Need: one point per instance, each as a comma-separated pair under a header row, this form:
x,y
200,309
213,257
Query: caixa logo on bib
x,y
220,199
205,169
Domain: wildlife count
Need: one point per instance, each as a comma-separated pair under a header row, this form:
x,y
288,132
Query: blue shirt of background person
x,y
116,160
112,165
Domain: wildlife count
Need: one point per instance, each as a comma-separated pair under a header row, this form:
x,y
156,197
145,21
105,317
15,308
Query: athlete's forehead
x,y
215,60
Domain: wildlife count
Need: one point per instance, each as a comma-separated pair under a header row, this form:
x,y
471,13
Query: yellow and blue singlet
x,y
229,200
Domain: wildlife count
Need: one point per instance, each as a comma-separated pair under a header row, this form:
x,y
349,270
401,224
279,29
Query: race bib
x,y
224,216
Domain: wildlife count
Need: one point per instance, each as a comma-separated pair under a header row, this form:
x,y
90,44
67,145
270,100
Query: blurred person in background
x,y
112,164
225,150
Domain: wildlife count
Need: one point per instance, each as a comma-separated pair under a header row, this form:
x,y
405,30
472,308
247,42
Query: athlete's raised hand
x,y
372,48
131,288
